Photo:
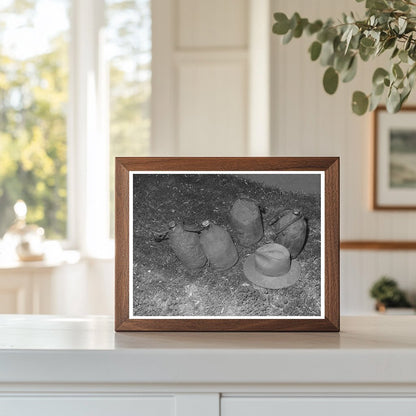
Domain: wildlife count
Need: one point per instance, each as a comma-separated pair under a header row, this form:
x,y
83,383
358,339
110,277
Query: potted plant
x,y
389,27
387,294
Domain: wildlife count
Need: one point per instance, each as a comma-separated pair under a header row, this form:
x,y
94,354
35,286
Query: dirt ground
x,y
162,286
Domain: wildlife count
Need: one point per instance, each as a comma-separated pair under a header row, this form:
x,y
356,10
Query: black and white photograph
x,y
226,244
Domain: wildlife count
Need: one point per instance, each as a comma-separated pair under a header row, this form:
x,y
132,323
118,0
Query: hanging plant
x,y
389,27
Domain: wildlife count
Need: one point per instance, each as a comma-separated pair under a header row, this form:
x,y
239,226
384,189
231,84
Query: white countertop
x,y
53,349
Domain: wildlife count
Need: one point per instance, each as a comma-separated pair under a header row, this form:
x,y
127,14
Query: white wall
x,y
86,288
209,69
202,65
308,122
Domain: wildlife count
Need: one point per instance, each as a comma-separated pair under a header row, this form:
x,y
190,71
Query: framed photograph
x,y
227,244
394,179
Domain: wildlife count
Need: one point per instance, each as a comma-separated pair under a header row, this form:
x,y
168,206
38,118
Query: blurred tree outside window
x,y
34,93
33,102
129,51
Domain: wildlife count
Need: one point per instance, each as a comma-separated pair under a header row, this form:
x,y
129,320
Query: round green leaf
x,y
395,52
330,80
288,37
397,71
366,53
351,71
327,54
359,103
300,25
342,61
379,75
282,25
393,101
294,20
314,27
315,50
376,4
404,96
322,36
389,43
403,56
378,89
374,102
400,5
367,42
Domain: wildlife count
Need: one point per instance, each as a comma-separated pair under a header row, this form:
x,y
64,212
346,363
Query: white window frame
x,y
88,138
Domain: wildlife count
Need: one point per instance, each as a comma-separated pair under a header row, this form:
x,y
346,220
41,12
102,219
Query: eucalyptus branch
x,y
388,25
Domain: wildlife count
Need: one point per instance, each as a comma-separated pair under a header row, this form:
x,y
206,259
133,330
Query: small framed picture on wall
x,y
394,149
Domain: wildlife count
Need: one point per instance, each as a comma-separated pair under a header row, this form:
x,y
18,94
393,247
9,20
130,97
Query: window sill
x,y
64,257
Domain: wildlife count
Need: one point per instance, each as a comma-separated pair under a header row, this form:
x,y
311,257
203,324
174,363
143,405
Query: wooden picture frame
x,y
133,185
394,185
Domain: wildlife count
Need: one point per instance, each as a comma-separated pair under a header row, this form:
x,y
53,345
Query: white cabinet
x,y
25,291
268,406
202,405
33,287
67,286
51,365
88,406
42,288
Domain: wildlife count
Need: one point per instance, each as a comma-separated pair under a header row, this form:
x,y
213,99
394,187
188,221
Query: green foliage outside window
x,y
34,103
33,99
129,42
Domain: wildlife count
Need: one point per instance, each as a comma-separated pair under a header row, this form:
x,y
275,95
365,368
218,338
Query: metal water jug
x,y
218,246
184,241
290,228
246,220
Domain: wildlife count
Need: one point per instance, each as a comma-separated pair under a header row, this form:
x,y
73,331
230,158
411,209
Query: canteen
x,y
218,246
246,221
291,231
184,241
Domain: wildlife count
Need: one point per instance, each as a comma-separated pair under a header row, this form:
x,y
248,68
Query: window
x,y
33,97
75,87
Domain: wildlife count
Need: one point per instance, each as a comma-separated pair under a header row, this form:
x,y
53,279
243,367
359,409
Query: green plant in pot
x,y
389,27
387,294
